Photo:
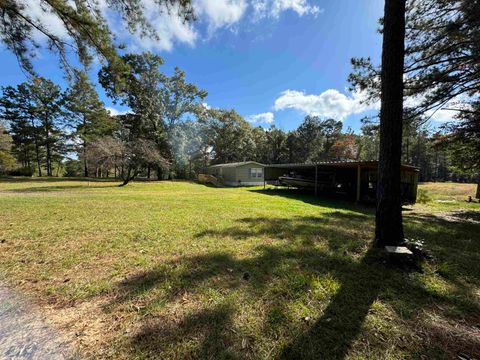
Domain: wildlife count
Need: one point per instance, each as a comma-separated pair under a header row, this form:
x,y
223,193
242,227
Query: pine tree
x,y
87,115
389,227
84,23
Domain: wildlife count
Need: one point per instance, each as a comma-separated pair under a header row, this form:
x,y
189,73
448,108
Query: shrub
x,y
21,171
423,196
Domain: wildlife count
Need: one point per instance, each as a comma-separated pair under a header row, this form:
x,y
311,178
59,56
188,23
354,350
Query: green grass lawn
x,y
176,270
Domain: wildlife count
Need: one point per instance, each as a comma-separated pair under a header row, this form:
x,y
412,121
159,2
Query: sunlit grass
x,y
180,270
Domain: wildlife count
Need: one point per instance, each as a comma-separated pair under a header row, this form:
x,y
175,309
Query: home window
x,y
256,173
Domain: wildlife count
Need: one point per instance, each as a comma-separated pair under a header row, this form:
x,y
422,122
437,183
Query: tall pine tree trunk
x,y
49,147
478,188
389,226
85,163
37,149
49,159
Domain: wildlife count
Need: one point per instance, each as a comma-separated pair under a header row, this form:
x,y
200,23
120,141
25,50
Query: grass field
x,y
176,270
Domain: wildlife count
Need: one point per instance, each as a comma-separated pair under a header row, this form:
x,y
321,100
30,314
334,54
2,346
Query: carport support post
x,y
316,178
359,182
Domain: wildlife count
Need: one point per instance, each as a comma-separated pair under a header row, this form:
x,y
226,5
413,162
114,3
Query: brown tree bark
x,y
478,189
389,226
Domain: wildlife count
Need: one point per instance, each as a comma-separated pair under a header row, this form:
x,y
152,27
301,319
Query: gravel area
x,y
24,334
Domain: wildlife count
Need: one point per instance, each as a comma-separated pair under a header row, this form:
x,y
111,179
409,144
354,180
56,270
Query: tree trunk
x,y
130,176
49,159
478,189
85,164
37,149
159,173
389,226
148,171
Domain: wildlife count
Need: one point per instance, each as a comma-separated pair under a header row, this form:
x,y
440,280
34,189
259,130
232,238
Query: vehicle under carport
x,y
352,180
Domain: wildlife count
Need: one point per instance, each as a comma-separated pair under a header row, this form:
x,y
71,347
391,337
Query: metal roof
x,y
344,163
236,164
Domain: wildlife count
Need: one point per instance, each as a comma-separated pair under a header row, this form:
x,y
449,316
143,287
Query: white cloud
x,y
220,13
171,30
169,27
330,103
41,13
273,8
263,118
115,112
445,113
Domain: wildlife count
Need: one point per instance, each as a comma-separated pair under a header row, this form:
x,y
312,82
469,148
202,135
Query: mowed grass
x,y
177,270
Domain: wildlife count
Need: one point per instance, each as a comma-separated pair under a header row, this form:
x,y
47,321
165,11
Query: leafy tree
x,y
368,142
16,110
464,144
35,114
142,94
389,227
227,133
47,101
107,153
7,161
258,145
345,148
188,144
276,145
158,101
83,22
87,115
312,140
179,98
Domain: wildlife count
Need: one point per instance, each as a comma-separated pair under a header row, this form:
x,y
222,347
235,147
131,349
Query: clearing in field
x,y
179,270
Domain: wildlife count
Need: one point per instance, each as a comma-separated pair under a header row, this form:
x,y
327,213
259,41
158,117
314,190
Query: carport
x,y
354,180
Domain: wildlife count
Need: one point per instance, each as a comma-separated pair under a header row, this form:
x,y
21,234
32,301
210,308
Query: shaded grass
x,y
178,270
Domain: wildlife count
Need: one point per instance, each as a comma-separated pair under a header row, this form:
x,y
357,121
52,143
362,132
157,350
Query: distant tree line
x,y
170,133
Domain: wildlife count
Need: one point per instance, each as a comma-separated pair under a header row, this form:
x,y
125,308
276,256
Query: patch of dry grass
x,y
449,190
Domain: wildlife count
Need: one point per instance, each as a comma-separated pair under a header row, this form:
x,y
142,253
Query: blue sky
x,y
274,61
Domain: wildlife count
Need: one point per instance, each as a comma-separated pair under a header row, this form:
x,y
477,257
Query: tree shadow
x,y
208,293
8,179
326,200
58,188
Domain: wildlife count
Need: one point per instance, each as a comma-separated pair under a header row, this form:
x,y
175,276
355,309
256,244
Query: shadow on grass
x,y
205,295
54,188
24,179
330,201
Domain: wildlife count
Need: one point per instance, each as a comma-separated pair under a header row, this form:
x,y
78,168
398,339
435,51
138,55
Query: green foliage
x,y
423,196
35,114
87,116
84,22
73,168
227,133
22,171
7,161
441,56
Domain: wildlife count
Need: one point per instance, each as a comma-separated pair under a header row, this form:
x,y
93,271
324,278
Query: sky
x,y
273,61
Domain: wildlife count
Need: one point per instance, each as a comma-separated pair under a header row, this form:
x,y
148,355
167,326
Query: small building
x,y
353,180
247,173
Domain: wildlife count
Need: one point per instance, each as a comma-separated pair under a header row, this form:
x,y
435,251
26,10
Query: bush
x,y
22,171
73,168
423,196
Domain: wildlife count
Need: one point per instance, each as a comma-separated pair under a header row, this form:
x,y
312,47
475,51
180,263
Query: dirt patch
x,y
25,332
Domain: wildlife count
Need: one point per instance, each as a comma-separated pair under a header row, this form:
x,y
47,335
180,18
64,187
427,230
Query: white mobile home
x,y
247,173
